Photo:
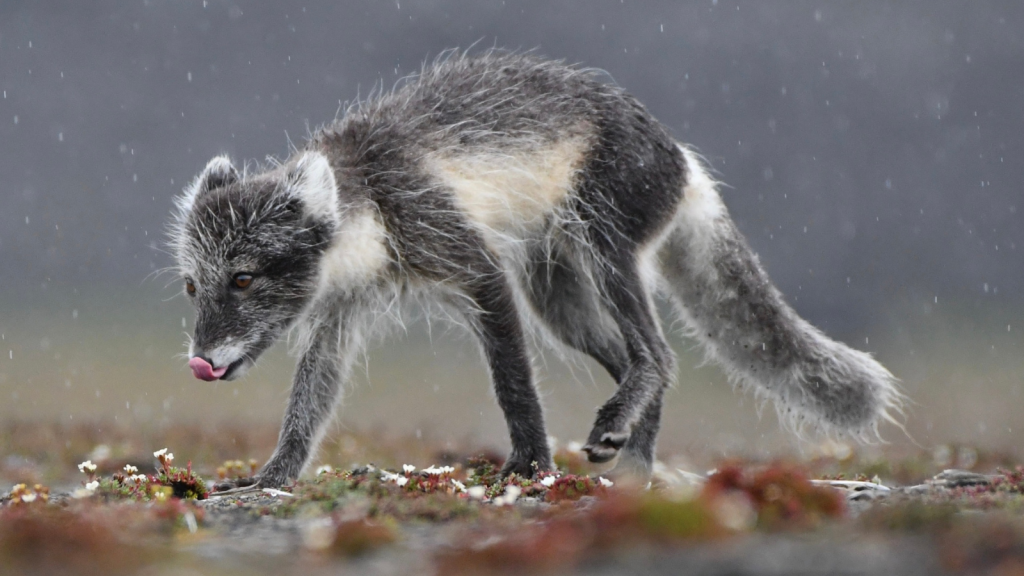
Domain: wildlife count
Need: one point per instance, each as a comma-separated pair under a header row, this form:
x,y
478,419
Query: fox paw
x,y
602,447
238,484
527,467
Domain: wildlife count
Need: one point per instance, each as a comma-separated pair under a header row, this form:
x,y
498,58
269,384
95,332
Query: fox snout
x,y
220,363
203,370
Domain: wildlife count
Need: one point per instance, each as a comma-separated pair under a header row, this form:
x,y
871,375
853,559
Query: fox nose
x,y
202,368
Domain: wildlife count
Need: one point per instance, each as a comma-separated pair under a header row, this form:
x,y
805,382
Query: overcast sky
x,y
872,151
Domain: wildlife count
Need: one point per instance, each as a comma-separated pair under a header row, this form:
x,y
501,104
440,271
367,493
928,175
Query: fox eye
x,y
242,281
190,287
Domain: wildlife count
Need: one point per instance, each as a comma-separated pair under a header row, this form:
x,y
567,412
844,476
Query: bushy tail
x,y
731,306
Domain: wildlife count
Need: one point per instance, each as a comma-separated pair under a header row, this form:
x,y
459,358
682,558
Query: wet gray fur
x,y
336,236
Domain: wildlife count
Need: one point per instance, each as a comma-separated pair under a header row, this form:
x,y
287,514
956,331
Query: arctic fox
x,y
526,195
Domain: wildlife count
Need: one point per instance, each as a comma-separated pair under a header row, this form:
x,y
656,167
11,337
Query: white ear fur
x,y
219,171
312,181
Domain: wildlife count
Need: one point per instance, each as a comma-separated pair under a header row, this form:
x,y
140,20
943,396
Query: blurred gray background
x,y
872,151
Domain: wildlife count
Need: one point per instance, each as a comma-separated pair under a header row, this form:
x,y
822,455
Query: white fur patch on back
x,y
358,252
500,191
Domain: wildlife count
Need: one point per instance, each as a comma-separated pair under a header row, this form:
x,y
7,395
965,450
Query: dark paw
x,y
605,447
526,467
235,484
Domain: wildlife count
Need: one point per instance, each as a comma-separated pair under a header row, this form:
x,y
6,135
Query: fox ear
x,y
219,172
311,179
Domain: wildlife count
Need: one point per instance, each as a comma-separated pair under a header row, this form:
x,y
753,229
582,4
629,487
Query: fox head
x,y
248,250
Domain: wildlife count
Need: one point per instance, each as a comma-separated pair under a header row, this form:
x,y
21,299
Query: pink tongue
x,y
201,369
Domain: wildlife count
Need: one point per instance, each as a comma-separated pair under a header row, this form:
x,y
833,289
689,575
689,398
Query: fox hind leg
x,y
570,304
567,301
648,372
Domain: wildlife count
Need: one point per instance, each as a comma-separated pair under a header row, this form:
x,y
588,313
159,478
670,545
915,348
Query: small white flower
x,y
433,471
87,467
168,458
92,485
326,468
401,481
159,453
447,469
139,478
477,492
129,469
605,482
408,468
459,485
81,493
388,476
30,497
548,481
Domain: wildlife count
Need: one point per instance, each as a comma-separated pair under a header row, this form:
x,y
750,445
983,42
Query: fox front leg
x,y
329,345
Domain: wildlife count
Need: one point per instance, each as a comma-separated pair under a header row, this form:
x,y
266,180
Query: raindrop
x,y
662,27
15,119
182,321
60,136
189,76
74,313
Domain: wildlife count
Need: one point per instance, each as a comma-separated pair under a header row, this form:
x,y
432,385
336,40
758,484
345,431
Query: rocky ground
x,y
817,516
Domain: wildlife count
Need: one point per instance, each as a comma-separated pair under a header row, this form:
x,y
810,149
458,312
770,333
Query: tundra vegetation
x,y
91,500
